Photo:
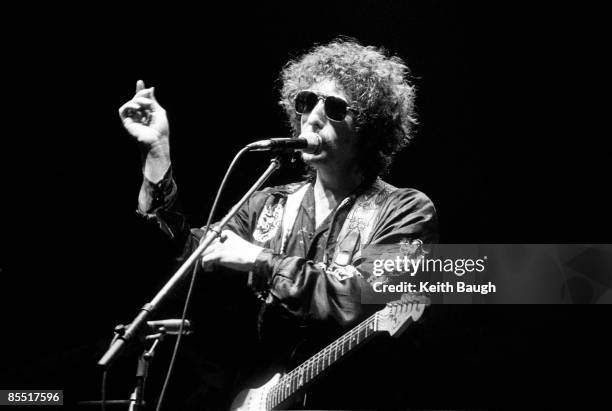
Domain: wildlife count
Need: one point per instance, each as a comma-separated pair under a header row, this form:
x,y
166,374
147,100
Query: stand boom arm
x,y
133,329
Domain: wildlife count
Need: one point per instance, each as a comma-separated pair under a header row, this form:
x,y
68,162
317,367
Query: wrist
x,y
159,150
252,254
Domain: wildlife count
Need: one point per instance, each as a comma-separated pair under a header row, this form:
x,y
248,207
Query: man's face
x,y
339,142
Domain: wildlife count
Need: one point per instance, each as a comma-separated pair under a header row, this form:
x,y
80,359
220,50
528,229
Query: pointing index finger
x,y
139,85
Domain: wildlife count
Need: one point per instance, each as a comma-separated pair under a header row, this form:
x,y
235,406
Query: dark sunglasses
x,y
335,107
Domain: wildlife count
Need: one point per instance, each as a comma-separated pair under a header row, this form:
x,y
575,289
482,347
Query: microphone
x,y
169,326
159,326
306,142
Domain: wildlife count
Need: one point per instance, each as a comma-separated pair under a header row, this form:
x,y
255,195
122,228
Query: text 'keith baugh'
x,y
437,287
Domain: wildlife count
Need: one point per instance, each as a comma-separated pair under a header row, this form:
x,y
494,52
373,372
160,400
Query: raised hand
x,y
146,120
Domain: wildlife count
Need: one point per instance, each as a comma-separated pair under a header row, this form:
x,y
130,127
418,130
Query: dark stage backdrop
x,y
507,148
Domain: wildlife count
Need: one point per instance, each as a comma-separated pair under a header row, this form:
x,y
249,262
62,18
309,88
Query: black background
x,y
510,148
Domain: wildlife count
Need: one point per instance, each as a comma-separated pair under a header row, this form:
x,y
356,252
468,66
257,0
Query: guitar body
x,y
254,399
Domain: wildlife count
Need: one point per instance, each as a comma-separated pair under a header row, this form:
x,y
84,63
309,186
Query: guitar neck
x,y
311,368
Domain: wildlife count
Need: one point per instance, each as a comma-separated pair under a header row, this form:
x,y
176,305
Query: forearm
x,y
307,290
156,161
158,202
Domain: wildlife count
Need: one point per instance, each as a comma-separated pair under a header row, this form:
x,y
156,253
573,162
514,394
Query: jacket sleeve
x,y
309,291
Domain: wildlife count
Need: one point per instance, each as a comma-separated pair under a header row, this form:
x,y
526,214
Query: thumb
x,y
153,94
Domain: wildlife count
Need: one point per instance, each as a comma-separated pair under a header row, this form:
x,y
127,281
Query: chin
x,y
314,159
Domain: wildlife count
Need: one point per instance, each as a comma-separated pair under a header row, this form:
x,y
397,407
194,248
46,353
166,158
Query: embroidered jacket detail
x,y
268,223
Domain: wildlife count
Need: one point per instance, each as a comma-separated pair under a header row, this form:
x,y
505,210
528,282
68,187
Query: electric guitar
x,y
394,319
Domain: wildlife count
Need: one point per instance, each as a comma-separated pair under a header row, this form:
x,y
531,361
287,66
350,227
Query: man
x,y
300,242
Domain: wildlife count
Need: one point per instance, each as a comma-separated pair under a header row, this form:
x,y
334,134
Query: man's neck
x,y
334,187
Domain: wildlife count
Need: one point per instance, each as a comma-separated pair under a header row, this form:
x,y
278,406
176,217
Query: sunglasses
x,y
335,107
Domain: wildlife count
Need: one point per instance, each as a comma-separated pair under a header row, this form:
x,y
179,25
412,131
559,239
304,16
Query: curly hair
x,y
378,87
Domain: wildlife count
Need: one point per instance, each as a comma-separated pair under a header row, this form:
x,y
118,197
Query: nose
x,y
316,118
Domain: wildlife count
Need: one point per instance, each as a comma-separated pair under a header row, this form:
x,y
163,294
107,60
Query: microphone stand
x,y
136,325
136,401
137,398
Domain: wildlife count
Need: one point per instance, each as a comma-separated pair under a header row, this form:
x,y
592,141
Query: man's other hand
x,y
230,251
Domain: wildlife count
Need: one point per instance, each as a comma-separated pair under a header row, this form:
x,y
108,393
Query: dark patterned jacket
x,y
307,276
